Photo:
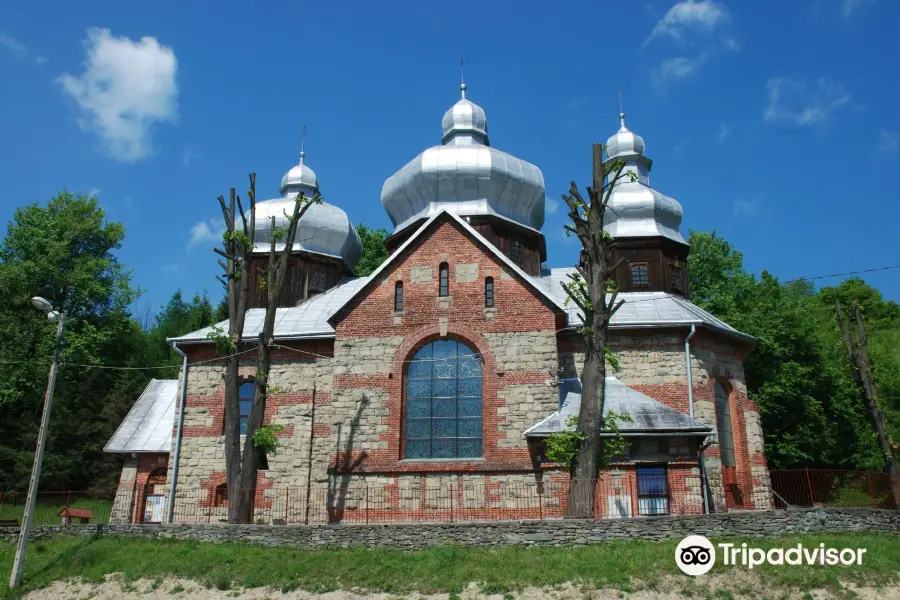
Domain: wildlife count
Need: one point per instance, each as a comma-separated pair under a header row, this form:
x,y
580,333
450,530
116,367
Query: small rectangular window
x,y
517,251
489,292
316,280
677,275
653,491
245,400
639,274
398,296
445,279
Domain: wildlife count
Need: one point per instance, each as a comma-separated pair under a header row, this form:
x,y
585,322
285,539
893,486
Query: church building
x,y
432,384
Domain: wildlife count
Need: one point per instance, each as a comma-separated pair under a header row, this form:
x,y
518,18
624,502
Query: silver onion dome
x,y
466,176
324,228
635,209
624,142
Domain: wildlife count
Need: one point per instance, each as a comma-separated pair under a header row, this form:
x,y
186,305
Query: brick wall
x,y
515,339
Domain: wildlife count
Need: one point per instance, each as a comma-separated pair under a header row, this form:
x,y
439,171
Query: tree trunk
x,y
858,353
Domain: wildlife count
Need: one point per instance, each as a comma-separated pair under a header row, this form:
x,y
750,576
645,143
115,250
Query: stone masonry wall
x,y
505,533
653,363
301,380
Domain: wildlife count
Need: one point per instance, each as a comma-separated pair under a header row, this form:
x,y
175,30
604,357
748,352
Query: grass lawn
x,y
46,512
441,569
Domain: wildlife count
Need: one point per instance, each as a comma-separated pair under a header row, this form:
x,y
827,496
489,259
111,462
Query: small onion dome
x,y
300,178
624,142
465,117
323,229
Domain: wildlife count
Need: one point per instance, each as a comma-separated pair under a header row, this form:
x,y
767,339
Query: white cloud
x,y
887,142
551,205
723,131
850,6
188,156
746,208
801,103
205,232
17,48
732,44
674,69
126,87
703,16
94,192
13,45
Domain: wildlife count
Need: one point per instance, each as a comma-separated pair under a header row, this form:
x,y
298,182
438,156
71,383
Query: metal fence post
x,y
367,505
812,499
210,506
871,488
451,502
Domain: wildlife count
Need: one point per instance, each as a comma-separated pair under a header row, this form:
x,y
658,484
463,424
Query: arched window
x,y
723,426
443,402
444,271
489,292
398,296
245,399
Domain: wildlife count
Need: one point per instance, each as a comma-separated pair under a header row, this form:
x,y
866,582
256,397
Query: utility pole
x,y
15,578
858,351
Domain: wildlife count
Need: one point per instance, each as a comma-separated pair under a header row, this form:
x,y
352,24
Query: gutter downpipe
x,y
177,456
704,485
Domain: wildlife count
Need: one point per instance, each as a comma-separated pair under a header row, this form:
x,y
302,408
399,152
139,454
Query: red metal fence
x,y
446,500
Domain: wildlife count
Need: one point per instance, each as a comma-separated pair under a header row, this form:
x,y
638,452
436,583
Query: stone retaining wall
x,y
504,533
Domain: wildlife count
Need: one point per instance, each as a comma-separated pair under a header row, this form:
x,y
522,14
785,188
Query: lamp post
x,y
15,578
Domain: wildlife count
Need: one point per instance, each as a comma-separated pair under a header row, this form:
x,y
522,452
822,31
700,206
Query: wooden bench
x,y
9,522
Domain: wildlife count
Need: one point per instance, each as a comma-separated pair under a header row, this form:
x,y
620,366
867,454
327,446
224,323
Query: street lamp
x,y
15,578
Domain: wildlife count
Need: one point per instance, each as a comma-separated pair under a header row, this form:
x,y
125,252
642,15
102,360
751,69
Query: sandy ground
x,y
740,585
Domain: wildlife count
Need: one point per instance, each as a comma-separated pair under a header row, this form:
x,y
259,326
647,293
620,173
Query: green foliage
x,y
812,411
266,439
562,446
64,250
374,250
224,344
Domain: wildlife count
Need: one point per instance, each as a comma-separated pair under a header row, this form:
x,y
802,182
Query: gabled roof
x,y
649,417
148,425
643,309
444,215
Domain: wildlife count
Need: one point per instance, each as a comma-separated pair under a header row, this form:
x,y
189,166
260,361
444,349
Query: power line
x,y
843,274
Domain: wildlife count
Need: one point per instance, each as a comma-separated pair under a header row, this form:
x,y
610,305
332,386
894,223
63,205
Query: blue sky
x,y
774,122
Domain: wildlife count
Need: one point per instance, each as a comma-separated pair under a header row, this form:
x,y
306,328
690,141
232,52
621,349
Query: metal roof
x,y
466,176
148,425
642,309
308,320
648,415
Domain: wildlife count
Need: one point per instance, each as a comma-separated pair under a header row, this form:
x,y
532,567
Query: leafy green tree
x,y
176,318
812,412
374,250
65,252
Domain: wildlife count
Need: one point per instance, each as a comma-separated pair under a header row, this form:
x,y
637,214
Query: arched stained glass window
x,y
723,426
443,402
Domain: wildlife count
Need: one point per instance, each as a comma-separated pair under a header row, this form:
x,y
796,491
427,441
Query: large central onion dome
x,y
324,228
635,209
464,175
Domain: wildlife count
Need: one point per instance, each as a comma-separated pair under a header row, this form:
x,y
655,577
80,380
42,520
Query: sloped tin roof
x,y
648,416
148,425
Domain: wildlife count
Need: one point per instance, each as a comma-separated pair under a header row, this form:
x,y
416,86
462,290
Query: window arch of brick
x,y
443,410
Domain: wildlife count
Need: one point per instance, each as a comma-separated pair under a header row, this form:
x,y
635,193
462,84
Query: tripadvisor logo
x,y
695,555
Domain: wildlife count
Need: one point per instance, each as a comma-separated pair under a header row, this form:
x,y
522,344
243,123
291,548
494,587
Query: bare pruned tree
x,y
591,289
241,466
